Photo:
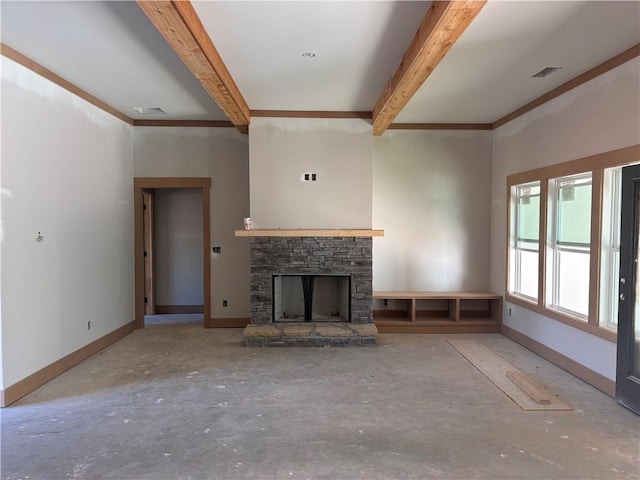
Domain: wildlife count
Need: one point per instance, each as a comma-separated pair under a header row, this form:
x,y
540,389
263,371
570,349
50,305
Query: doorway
x,y
628,366
173,277
147,193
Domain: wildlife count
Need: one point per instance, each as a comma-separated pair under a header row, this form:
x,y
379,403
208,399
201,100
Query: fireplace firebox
x,y
311,298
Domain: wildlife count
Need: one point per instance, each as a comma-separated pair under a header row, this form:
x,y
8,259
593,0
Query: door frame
x,y
143,183
149,259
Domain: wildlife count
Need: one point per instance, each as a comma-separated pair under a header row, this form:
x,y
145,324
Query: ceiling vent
x,y
150,110
546,71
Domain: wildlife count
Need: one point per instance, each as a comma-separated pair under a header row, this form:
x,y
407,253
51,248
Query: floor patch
x,y
498,371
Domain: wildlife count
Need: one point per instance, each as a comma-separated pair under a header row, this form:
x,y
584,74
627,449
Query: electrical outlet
x,y
89,325
216,249
308,177
225,303
510,309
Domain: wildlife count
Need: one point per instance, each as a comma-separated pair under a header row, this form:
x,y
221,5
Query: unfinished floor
x,y
182,402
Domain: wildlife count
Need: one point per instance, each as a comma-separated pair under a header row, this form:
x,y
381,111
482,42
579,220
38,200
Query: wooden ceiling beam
x,y
179,24
441,27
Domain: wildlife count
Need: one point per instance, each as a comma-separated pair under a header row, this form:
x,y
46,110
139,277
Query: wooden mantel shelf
x,y
308,233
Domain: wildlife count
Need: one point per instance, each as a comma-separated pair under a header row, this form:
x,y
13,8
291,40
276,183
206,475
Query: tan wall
x,y
431,194
338,151
178,246
221,154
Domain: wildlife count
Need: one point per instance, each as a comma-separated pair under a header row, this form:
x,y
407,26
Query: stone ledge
x,y
310,334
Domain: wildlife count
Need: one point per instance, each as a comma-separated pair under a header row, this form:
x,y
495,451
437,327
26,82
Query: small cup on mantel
x,y
247,223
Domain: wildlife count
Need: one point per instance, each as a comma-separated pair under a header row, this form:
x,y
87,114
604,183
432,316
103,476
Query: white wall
x,y
67,172
431,195
2,200
178,246
599,116
223,155
339,151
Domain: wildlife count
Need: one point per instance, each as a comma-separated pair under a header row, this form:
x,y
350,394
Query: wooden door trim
x,y
142,183
148,232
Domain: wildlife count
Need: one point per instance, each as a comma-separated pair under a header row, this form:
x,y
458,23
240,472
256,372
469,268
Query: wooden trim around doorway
x,y
141,183
149,263
19,389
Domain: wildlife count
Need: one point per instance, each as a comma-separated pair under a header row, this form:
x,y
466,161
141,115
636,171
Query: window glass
x,y
570,238
528,220
528,269
525,240
572,279
610,251
574,212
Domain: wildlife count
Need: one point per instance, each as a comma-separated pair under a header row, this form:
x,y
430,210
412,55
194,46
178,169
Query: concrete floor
x,y
181,402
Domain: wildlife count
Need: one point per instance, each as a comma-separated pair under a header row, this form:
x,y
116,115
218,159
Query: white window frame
x,y
610,252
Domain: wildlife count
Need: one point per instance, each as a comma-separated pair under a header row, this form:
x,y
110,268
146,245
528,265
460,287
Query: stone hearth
x,y
310,334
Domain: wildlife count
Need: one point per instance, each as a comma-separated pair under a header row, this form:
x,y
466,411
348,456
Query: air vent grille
x,y
546,71
150,110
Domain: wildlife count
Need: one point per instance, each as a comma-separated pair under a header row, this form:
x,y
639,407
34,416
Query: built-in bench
x,y
437,312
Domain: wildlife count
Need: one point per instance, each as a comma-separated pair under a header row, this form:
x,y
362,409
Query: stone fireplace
x,y
349,256
298,283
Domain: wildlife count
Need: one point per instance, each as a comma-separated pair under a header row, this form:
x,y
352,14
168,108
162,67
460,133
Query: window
x,y
610,244
525,240
563,240
568,260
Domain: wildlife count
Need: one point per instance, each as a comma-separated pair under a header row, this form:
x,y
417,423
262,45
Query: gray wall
x,y
223,155
429,190
66,172
431,195
338,151
178,246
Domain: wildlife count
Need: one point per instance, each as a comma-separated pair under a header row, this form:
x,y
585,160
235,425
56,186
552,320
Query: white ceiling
x,y
488,72
358,46
111,50
114,52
